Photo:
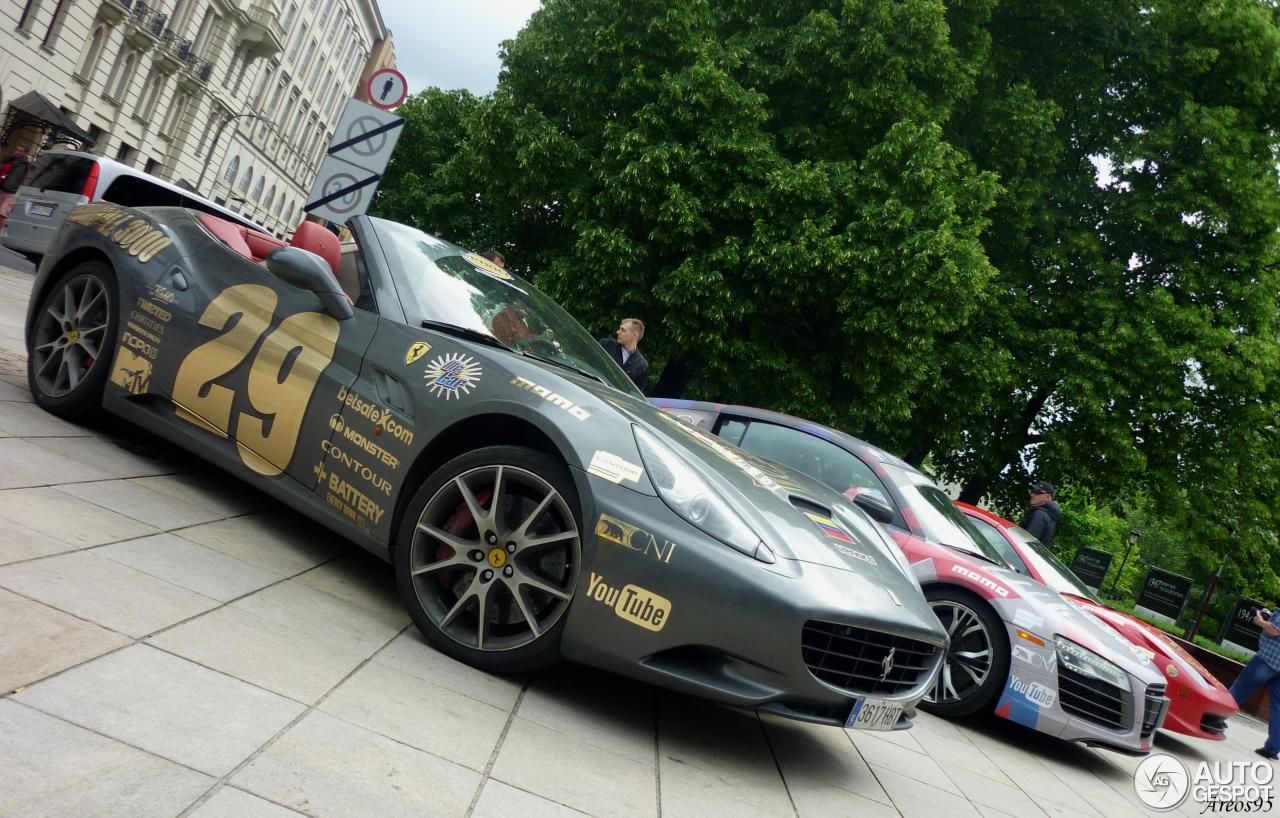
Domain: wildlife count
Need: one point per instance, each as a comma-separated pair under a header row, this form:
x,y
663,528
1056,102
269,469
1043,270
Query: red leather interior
x,y
251,244
318,239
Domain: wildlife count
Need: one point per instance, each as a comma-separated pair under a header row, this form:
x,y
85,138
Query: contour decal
x,y
415,352
453,375
484,265
986,582
634,538
631,603
613,468
357,466
559,400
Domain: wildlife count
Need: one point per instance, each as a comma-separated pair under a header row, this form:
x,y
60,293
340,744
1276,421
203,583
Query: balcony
x,y
145,26
113,11
260,30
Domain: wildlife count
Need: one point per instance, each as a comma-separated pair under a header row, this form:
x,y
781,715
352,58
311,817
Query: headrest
x,y
317,239
228,233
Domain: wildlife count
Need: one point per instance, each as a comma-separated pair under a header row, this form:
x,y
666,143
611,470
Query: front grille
x,y
1094,700
1154,705
1216,725
853,659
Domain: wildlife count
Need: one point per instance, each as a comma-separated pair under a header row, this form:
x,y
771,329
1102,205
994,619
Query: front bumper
x,y
793,638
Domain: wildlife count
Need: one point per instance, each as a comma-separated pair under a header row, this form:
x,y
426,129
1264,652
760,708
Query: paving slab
x,y
278,541
326,766
594,707
115,456
19,418
139,502
103,591
499,800
11,392
409,653
885,754
55,769
229,802
167,706
391,703
362,579
190,566
208,488
29,464
299,665
570,772
37,641
814,757
20,543
321,615
917,800
56,513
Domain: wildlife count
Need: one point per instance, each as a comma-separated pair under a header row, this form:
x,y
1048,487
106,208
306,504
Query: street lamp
x,y
1134,536
208,160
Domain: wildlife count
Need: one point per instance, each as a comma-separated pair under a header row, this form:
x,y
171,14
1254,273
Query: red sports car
x,y
1201,705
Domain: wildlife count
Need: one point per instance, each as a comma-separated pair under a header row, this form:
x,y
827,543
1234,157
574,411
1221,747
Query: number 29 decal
x,y
282,377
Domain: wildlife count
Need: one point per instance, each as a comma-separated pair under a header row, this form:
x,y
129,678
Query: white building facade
x,y
183,89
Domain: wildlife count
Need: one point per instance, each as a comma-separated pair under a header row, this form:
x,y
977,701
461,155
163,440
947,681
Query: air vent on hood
x,y
809,506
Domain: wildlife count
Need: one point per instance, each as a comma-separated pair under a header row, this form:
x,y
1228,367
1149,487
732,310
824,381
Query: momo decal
x,y
634,538
986,582
379,415
453,374
132,372
415,352
613,468
133,234
830,527
486,266
631,602
564,403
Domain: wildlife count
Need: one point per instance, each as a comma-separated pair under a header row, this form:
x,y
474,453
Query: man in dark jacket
x,y
623,350
1042,520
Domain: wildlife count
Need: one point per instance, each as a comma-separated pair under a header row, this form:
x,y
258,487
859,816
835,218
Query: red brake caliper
x,y
463,524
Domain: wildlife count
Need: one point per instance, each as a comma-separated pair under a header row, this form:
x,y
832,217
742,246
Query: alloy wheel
x,y
968,661
69,334
494,557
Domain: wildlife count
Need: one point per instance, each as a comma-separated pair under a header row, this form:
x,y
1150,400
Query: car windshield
x,y
453,286
937,516
1051,570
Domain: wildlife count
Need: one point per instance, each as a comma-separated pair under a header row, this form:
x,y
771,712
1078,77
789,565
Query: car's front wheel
x,y
73,336
977,661
487,557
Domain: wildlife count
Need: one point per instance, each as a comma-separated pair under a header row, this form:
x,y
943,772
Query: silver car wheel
x,y
968,661
494,557
69,334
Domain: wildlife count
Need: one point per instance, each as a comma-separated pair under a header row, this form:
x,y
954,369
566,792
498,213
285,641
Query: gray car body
x,y
733,632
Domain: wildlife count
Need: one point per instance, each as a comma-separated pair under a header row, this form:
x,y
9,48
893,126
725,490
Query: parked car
x,y
533,505
1016,647
1201,705
62,180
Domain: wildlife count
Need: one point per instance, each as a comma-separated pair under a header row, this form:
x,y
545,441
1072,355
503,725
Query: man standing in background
x,y
623,350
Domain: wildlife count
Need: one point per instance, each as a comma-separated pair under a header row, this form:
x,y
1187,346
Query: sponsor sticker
x,y
453,375
356,466
631,602
415,352
559,400
1034,692
380,416
1026,619
132,372
634,538
829,527
985,581
484,265
857,555
354,504
133,234
613,468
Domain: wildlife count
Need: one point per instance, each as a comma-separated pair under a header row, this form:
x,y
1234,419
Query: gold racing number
x,y
282,377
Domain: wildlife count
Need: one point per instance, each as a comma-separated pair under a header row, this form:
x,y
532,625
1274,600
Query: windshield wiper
x,y
564,364
465,332
977,554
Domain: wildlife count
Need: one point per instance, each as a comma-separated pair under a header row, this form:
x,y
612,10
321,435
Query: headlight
x,y
1087,663
688,495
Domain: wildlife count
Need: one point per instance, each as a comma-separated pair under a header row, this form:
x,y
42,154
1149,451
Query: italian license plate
x,y
874,714
40,209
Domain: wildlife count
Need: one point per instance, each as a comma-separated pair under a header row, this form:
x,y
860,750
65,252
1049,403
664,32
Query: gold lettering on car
x,y
631,603
133,234
564,403
634,538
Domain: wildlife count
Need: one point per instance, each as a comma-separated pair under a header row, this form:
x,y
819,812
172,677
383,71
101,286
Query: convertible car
x,y
449,417
1201,705
1016,647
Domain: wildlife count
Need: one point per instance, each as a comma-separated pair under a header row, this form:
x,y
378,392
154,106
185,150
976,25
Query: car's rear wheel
x,y
487,557
977,662
72,340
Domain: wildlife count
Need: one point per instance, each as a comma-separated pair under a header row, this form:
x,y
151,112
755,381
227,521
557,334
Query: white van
x,y
63,180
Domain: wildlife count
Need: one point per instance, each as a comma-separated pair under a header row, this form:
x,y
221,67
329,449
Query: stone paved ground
x,y
173,643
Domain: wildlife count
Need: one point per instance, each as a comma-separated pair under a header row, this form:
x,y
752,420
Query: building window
x,y
286,18
91,54
297,43
230,176
125,153
271,196
151,95
152,167
117,87
173,119
311,53
257,189
28,19
246,179
203,33
55,26
279,205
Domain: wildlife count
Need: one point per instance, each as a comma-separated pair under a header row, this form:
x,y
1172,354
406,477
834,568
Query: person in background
x,y
13,179
1042,520
496,257
1264,669
623,350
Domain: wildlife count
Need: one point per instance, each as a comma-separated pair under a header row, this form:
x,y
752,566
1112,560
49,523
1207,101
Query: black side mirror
x,y
305,269
877,509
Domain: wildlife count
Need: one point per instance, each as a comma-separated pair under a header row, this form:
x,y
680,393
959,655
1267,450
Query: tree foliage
x,y
1013,237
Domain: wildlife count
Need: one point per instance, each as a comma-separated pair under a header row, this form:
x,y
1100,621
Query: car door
x,y
265,366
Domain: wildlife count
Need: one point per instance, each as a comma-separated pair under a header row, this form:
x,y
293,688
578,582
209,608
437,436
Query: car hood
x,y
798,517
